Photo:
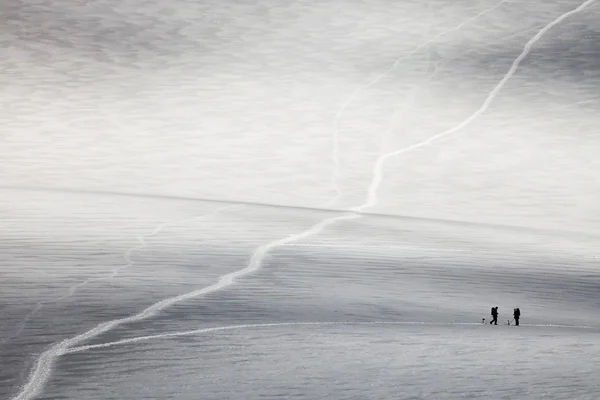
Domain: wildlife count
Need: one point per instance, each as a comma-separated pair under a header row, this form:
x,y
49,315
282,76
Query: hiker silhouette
x,y
517,315
494,316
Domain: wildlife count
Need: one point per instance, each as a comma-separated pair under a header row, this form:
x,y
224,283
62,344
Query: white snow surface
x,y
465,130
127,297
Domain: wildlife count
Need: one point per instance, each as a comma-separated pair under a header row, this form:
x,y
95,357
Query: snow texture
x,y
381,174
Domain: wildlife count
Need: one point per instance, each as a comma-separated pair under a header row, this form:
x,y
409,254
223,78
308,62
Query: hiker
x,y
517,315
494,316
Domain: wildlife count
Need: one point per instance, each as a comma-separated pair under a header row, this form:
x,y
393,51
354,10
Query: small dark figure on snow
x,y
517,315
494,316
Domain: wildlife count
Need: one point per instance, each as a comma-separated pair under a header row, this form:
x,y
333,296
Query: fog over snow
x,y
242,100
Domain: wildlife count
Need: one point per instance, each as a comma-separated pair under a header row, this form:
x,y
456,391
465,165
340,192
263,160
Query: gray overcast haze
x,y
238,100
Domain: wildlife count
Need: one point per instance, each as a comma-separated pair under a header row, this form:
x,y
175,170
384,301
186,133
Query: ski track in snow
x,y
372,82
113,274
280,324
43,366
436,70
378,168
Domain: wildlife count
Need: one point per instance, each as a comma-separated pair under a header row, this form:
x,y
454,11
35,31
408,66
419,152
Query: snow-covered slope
x,y
424,112
398,304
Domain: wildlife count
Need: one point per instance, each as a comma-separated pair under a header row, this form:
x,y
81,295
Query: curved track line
x,y
43,366
377,78
378,168
268,325
113,273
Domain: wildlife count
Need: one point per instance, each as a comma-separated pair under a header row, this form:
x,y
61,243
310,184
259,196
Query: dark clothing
x,y
517,315
494,316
